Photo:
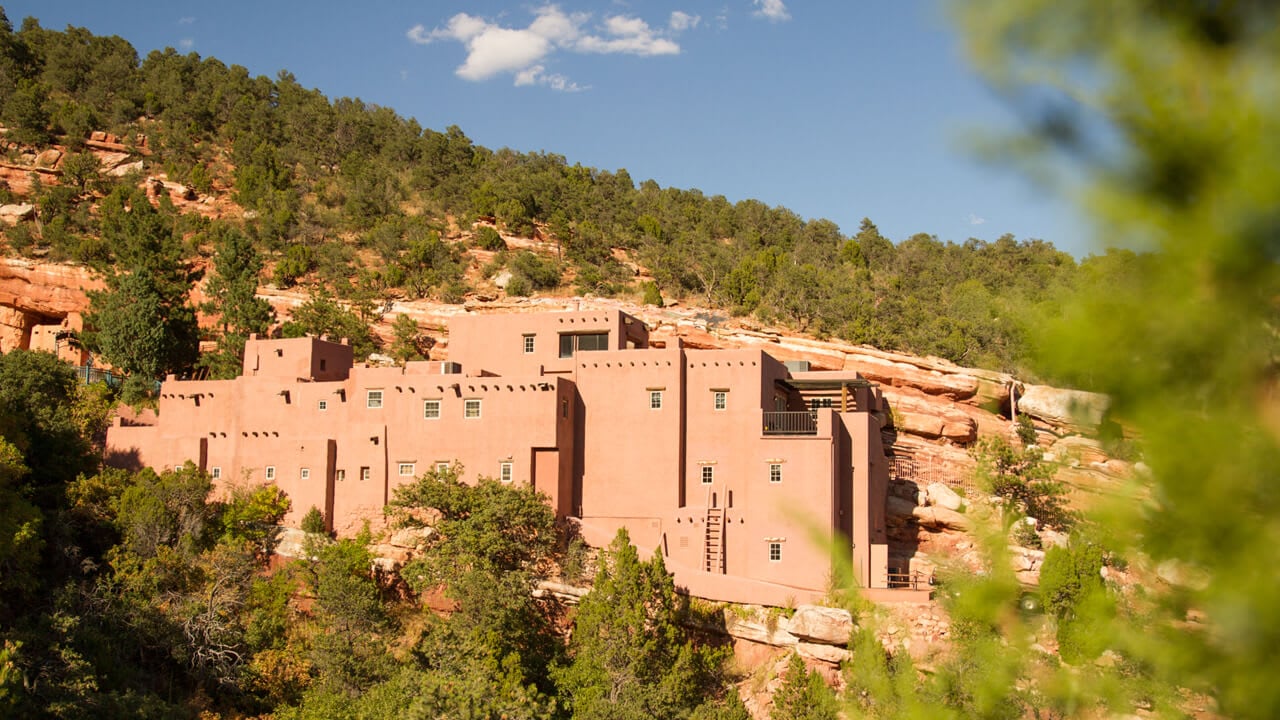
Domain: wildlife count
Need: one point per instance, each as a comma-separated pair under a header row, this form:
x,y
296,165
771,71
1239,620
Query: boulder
x,y
125,168
48,158
941,495
14,214
939,518
1072,409
758,629
817,624
823,653
928,416
899,507
957,385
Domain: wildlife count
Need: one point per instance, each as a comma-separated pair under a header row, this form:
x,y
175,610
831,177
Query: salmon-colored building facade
x,y
745,475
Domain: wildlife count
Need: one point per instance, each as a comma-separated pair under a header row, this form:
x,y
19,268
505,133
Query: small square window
x,y
373,400
340,475
721,399
365,473
775,552
304,474
655,399
270,472
442,466
471,409
775,472
324,405
215,472
708,474
504,472
528,344
431,409
406,469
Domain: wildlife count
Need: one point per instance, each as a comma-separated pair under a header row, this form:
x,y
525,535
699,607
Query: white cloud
x,y
188,20
522,52
681,21
771,10
976,220
186,43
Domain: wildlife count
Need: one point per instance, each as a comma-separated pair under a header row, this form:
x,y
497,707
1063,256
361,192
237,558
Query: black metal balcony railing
x,y
804,422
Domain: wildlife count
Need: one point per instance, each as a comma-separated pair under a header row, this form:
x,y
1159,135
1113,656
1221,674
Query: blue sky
x,y
836,109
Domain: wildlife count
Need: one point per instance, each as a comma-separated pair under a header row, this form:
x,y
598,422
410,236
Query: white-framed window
x,y
528,344
431,409
775,472
471,408
340,475
405,469
708,474
655,399
323,405
269,472
775,552
366,473
373,399
504,471
215,473
304,474
720,399
442,466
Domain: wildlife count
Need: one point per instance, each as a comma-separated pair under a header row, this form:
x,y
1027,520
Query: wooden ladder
x,y
713,548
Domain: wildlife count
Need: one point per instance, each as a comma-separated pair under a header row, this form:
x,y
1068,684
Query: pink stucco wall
x,y
582,429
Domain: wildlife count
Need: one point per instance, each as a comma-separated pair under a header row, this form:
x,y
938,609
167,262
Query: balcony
x,y
804,422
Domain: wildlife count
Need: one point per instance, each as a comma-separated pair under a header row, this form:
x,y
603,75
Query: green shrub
x,y
652,296
313,521
488,239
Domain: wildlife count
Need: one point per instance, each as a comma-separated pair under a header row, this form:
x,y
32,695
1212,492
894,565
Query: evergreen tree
x,y
233,298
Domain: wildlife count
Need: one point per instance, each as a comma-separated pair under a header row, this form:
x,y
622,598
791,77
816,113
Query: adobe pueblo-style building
x,y
743,474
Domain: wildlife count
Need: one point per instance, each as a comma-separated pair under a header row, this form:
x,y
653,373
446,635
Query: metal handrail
x,y
803,422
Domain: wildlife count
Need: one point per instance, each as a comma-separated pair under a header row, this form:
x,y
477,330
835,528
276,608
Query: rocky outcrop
x,y
46,289
1074,410
813,631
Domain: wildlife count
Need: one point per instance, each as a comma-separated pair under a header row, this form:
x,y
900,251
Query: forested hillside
x,y
354,200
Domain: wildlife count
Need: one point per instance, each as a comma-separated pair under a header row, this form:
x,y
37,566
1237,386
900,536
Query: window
x,y
324,405
655,399
406,469
340,475
708,474
442,466
365,473
775,472
583,343
528,344
270,472
775,552
304,474
322,363
504,471
472,408
564,408
431,409
721,399
373,400
215,472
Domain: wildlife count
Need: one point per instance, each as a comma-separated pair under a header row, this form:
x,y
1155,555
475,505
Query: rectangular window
x,y
655,399
215,473
472,408
504,471
365,473
775,552
442,466
373,400
528,344
431,409
340,475
270,472
721,399
708,474
569,344
406,469
775,472
304,474
324,405
322,364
